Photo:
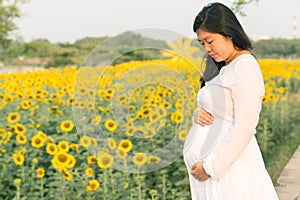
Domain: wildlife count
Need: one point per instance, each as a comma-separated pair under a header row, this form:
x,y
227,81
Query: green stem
x,y
42,189
113,191
139,182
23,174
62,179
265,136
173,194
152,197
104,184
18,192
90,196
164,186
32,178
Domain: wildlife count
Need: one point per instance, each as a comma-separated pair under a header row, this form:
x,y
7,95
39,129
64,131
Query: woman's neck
x,y
235,55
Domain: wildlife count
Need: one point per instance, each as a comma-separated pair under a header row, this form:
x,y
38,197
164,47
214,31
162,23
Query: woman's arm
x,y
247,92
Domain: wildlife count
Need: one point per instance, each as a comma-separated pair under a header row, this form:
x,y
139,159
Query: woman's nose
x,y
207,48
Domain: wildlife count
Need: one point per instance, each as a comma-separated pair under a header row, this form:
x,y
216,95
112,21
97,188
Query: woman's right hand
x,y
202,117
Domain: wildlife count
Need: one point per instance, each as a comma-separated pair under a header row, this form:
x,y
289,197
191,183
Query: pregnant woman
x,y
223,159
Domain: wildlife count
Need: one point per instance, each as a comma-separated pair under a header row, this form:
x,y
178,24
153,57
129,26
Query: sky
x,y
70,20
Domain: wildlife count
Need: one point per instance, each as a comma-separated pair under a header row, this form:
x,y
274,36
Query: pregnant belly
x,y
202,140
194,144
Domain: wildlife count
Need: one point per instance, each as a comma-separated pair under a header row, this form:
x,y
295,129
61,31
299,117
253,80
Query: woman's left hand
x,y
198,172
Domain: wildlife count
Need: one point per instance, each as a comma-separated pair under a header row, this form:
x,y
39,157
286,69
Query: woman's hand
x,y
198,172
202,117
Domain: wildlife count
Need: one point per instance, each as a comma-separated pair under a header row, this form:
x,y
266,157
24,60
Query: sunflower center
x,y
38,141
19,128
140,158
125,145
62,158
105,160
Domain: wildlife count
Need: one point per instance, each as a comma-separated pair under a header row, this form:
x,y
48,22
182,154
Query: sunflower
x,y
111,143
126,185
25,105
153,159
13,117
125,145
19,129
281,90
140,132
130,131
139,159
162,110
177,117
18,159
96,120
42,135
121,153
93,141
50,139
21,139
182,135
61,159
92,159
85,141
17,181
5,136
63,146
40,172
71,161
22,151
93,185
131,108
111,125
2,150
89,172
37,141
154,117
55,164
74,147
2,133
51,149
32,111
67,174
67,125
35,160
105,160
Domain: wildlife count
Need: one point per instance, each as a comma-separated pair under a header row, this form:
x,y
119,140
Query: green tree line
x,y
62,54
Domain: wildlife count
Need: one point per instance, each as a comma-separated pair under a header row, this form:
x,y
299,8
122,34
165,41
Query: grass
x,y
283,152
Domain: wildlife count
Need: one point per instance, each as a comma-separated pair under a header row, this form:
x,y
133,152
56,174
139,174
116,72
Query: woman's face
x,y
220,48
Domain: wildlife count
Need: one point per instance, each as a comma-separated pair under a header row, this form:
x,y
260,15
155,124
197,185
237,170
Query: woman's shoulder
x,y
244,62
247,57
247,68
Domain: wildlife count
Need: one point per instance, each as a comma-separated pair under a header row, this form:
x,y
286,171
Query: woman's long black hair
x,y
218,18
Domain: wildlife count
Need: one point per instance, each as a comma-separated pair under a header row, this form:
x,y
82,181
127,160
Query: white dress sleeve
x,y
247,90
193,119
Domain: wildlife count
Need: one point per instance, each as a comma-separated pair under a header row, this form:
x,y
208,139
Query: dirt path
x,y
289,180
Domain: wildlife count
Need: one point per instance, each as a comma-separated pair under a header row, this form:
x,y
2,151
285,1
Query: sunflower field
x,y
116,132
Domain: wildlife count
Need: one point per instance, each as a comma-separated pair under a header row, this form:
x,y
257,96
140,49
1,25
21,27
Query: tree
x,y
238,5
9,11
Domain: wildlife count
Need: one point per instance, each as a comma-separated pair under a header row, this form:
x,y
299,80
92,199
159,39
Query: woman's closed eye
x,y
208,42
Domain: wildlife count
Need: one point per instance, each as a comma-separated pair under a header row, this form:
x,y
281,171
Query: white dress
x,y
228,147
